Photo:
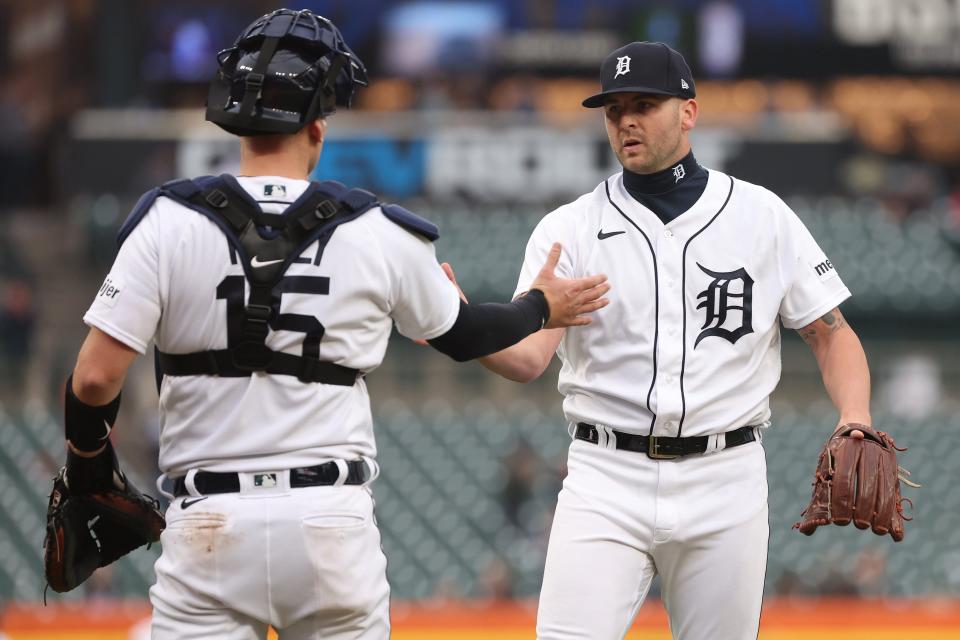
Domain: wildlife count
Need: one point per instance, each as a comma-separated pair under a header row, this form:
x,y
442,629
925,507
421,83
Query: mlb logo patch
x,y
266,480
275,191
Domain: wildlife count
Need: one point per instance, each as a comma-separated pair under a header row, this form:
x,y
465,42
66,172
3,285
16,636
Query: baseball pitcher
x,y
667,392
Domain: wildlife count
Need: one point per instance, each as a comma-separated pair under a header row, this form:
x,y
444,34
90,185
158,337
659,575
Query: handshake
x,y
569,299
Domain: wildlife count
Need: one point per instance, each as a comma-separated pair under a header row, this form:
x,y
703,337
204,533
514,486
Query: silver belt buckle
x,y
653,450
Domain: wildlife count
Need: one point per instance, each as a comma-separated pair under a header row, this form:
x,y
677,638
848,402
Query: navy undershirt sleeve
x,y
482,329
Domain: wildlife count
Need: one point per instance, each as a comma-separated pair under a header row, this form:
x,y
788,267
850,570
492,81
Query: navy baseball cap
x,y
644,67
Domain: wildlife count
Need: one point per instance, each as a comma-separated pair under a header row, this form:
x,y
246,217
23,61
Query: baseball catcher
x,y
282,297
858,479
95,515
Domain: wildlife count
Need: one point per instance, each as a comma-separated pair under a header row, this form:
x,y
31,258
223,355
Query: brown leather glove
x,y
858,479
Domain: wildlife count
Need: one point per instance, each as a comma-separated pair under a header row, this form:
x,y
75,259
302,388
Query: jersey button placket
x,y
669,348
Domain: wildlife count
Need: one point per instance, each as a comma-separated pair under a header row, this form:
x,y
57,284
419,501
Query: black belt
x,y
321,475
665,447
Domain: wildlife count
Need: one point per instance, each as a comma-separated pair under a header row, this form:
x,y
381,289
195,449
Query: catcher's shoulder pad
x,y
175,189
354,200
411,221
137,214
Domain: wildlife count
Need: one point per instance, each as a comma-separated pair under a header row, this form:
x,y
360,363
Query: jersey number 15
x,y
231,289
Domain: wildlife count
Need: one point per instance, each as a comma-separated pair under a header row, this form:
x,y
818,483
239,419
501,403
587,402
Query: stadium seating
x,y
444,510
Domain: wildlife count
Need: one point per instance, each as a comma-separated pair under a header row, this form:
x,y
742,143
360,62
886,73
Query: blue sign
x,y
394,168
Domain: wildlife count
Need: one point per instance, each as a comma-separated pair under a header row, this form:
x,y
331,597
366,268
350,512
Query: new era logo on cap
x,y
644,67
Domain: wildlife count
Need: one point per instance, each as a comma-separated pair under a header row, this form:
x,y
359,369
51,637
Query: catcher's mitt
x,y
94,529
858,480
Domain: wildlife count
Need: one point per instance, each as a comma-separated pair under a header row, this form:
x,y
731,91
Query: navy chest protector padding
x,y
265,257
411,221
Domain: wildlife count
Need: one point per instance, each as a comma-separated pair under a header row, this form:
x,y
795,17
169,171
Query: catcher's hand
x,y
92,530
858,480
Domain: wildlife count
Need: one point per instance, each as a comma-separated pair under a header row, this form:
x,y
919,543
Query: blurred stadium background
x,y
846,108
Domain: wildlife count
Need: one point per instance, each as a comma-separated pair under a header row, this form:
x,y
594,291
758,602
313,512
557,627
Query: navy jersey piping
x,y
656,301
683,293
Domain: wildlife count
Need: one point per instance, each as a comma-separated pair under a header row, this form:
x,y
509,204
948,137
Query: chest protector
x,y
272,242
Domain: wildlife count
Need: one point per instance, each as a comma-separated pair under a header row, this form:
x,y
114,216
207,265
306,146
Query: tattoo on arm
x,y
808,334
833,320
829,323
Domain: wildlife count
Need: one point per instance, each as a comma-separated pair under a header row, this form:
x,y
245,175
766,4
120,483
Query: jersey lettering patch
x,y
824,270
110,291
719,302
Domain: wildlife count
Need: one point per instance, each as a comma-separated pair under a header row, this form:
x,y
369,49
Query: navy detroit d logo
x,y
730,292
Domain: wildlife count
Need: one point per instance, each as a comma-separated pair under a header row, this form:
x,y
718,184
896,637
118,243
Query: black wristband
x,y
538,296
91,475
87,427
482,329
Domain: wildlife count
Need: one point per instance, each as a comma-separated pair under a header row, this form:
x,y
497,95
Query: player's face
x,y
648,132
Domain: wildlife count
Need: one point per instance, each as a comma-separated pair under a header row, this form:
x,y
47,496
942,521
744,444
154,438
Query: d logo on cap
x,y
623,66
643,67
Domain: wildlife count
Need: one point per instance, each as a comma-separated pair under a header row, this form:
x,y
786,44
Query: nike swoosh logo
x,y
107,434
186,504
256,263
603,236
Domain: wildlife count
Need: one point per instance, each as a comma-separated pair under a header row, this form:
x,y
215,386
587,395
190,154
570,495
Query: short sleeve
x,y
425,304
127,306
552,228
813,286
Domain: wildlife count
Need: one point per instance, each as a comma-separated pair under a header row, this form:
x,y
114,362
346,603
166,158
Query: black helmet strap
x,y
326,95
253,89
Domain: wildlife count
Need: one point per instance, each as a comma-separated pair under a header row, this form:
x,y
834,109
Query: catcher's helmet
x,y
285,70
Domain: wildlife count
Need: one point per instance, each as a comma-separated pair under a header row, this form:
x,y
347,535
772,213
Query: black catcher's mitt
x,y
94,529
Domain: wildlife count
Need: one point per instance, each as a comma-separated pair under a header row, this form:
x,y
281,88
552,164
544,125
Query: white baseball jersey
x,y
689,344
172,281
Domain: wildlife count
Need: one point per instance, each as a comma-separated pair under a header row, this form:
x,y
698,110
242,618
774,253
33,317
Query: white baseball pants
x,y
699,521
306,561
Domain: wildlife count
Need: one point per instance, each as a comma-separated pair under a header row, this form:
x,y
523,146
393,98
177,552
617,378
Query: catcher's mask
x,y
285,70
